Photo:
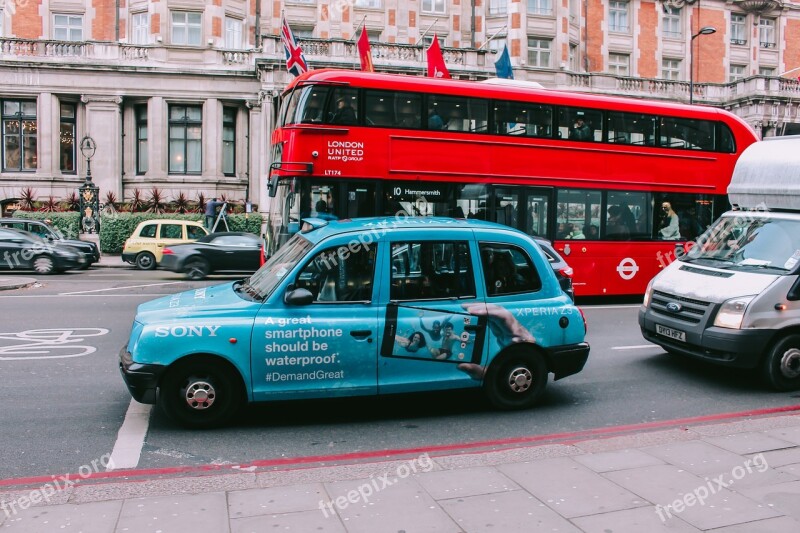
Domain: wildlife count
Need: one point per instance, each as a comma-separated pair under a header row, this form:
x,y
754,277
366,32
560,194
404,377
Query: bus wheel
x,y
200,392
517,381
781,366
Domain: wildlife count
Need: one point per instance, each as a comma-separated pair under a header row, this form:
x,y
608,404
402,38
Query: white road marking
x,y
136,295
635,347
121,288
621,306
130,439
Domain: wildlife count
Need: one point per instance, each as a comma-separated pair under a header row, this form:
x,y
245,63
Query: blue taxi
x,y
362,307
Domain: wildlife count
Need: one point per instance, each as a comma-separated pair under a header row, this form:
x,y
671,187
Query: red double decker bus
x,y
615,183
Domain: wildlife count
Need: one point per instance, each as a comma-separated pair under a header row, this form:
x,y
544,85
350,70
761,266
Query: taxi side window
x,y
507,269
431,270
194,232
340,275
149,231
171,231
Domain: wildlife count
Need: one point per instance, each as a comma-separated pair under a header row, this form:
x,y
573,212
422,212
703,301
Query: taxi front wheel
x,y
516,381
200,393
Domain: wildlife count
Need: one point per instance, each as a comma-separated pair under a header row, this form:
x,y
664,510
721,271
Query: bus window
x,y
580,124
631,128
516,118
289,109
471,200
726,142
695,213
342,106
687,133
536,214
312,102
457,113
578,210
386,108
628,215
505,206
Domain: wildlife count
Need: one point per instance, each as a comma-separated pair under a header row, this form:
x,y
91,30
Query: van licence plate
x,y
671,333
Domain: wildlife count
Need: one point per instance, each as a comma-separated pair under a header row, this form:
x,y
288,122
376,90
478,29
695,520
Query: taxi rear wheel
x,y
145,261
200,392
781,366
517,381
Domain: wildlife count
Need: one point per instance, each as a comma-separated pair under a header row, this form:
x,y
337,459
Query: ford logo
x,y
674,307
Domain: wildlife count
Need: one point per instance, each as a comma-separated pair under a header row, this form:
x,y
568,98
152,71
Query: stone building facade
x,y
180,95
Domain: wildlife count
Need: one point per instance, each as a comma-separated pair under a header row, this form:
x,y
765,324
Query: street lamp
x,y
89,193
706,30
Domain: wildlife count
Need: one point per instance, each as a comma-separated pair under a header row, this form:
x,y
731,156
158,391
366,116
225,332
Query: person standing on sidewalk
x,y
211,213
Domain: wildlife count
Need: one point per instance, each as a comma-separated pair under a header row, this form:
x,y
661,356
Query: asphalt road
x,y
63,405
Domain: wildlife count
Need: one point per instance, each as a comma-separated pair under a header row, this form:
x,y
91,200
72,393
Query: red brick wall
x,y
595,36
216,26
155,23
26,23
710,49
791,52
648,40
104,22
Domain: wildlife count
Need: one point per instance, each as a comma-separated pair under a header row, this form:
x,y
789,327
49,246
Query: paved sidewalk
x,y
111,261
8,283
741,476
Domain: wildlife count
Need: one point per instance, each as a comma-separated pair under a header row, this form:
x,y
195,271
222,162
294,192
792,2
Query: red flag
x,y
436,66
295,60
364,52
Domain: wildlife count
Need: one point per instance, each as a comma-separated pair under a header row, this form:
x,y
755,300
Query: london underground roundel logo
x,y
627,268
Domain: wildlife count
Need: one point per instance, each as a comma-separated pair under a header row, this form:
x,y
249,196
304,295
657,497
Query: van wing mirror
x,y
794,293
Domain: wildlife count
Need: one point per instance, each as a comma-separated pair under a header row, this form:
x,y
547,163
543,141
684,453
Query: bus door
x,y
578,220
360,200
523,208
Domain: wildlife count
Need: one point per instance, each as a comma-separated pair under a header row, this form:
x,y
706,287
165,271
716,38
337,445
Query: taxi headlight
x,y
732,312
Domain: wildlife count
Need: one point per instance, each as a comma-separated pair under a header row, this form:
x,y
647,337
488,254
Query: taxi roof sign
x,y
766,175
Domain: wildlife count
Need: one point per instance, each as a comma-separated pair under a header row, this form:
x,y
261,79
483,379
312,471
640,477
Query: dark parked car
x,y
50,233
562,269
215,253
25,251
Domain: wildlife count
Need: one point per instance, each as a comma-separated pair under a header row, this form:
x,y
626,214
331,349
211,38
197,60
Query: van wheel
x,y
197,268
200,392
145,261
516,381
781,366
43,265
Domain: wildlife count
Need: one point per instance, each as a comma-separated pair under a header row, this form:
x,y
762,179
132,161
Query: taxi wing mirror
x,y
298,297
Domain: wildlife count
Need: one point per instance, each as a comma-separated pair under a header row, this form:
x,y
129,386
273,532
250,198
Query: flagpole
x,y
359,27
493,36
426,31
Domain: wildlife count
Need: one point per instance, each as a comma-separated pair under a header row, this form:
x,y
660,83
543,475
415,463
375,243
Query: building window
x,y
233,33
304,32
496,45
737,72
141,139
618,16
68,27
671,20
2,22
738,29
185,139
766,71
433,6
538,52
671,69
229,141
19,135
427,41
540,7
368,3
619,64
497,7
766,33
67,139
186,28
574,10
140,28
573,57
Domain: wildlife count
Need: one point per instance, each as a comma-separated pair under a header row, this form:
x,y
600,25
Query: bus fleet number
x,y
333,172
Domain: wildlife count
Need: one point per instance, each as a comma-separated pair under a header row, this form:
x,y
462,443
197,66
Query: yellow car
x,y
145,247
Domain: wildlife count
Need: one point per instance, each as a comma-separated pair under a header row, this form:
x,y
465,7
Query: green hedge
x,y
68,222
116,228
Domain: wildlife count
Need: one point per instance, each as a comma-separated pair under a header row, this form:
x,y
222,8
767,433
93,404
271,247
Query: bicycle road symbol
x,y
61,343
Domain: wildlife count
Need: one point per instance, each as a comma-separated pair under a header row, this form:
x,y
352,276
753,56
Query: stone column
x,y
104,125
49,135
257,146
212,141
157,137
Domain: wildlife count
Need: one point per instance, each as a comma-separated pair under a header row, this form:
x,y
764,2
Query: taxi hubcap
x,y
520,379
790,363
200,395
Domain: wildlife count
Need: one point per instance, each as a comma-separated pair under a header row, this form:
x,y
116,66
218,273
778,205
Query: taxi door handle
x,y
360,333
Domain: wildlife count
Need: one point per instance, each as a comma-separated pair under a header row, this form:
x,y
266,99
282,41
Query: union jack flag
x,y
295,60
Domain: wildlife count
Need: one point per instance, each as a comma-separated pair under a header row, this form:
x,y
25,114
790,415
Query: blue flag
x,y
503,65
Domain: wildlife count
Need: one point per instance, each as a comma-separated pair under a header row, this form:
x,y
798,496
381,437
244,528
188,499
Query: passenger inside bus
x,y
344,114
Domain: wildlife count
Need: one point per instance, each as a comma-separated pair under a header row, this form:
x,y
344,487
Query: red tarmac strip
x,y
489,445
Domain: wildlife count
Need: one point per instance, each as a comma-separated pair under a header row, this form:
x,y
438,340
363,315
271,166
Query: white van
x,y
734,298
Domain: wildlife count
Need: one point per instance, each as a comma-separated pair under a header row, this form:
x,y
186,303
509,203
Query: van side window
x,y
339,275
431,270
508,270
194,232
171,231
